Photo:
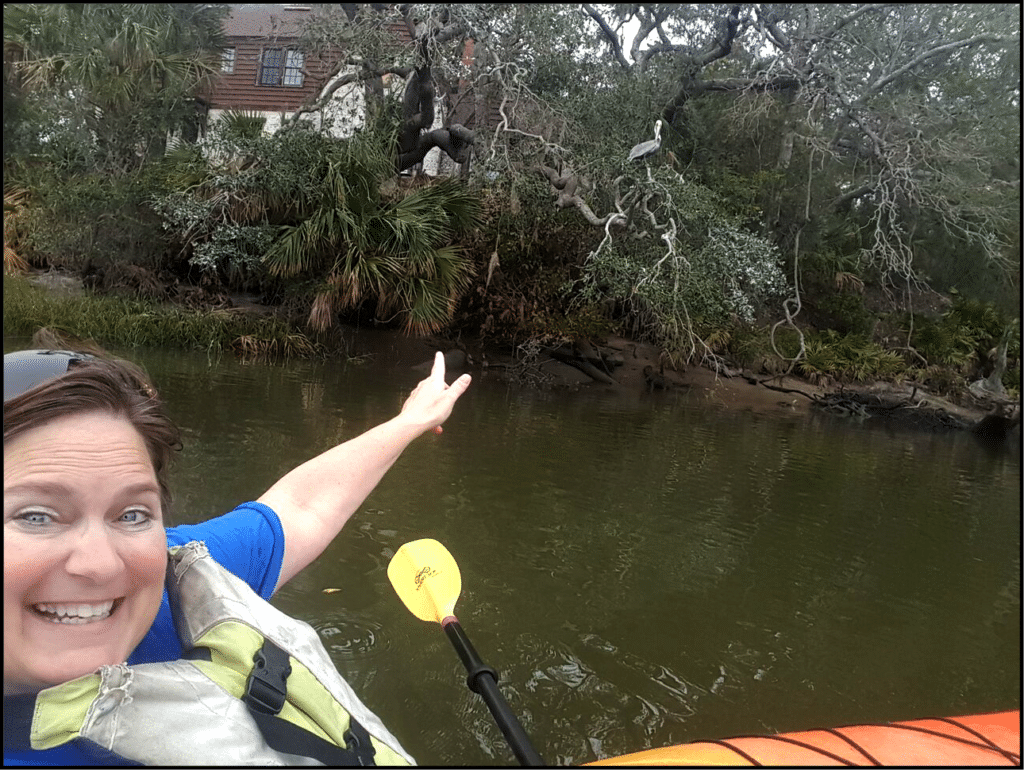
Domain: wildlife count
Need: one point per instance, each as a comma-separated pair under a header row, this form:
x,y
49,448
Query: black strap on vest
x,y
266,690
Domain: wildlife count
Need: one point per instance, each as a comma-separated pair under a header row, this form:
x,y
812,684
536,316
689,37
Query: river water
x,y
642,569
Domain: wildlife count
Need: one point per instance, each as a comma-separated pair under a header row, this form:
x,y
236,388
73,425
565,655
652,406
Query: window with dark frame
x,y
281,67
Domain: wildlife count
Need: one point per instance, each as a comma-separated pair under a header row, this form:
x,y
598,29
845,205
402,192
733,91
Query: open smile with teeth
x,y
77,614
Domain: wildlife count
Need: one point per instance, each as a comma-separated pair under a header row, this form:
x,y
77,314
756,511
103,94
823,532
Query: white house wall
x,y
432,160
344,113
347,108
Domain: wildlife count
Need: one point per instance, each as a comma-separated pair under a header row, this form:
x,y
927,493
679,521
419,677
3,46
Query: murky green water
x,y
642,570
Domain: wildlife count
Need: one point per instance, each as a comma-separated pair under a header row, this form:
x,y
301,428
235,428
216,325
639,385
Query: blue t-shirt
x,y
249,543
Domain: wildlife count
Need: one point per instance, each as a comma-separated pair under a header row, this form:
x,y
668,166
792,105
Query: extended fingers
x,y
437,370
460,385
450,396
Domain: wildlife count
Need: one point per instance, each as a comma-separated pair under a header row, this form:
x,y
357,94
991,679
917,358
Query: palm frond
x,y
452,268
428,308
15,200
321,314
242,124
288,255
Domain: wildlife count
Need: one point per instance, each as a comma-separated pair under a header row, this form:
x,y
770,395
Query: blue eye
x,y
136,517
35,518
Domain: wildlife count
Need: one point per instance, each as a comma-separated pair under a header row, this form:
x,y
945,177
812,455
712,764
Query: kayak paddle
x,y
427,580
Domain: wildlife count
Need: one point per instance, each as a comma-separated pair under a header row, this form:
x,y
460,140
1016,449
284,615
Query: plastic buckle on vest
x,y
266,689
357,740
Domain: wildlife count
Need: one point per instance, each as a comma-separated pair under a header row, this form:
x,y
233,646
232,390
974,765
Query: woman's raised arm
x,y
314,500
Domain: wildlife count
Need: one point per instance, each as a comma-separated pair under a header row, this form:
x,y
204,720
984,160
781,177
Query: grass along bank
x,y
127,322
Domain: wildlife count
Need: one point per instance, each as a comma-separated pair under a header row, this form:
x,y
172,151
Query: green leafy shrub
x,y
847,314
964,337
72,220
848,357
945,343
751,346
939,379
748,344
712,273
298,205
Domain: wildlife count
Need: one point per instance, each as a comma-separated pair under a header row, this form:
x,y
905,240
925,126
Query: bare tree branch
x,y
768,21
566,185
860,192
689,83
649,21
609,34
851,17
654,50
317,103
882,82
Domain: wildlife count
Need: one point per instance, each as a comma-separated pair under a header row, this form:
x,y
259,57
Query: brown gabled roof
x,y
269,21
283,20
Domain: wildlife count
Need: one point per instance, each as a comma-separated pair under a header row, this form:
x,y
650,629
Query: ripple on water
x,y
598,695
352,636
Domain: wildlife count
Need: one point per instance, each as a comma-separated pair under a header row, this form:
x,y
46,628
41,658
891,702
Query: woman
x,y
87,444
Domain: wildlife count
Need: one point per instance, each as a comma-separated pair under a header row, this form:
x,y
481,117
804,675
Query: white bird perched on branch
x,y
647,149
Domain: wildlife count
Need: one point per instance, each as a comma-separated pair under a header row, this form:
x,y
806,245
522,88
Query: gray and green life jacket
x,y
255,687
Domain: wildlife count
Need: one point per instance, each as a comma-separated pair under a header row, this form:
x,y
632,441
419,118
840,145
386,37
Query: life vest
x,y
255,687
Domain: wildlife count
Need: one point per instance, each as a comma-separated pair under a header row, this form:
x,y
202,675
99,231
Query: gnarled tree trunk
x,y
416,140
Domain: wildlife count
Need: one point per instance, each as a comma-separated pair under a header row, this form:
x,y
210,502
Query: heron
x,y
647,149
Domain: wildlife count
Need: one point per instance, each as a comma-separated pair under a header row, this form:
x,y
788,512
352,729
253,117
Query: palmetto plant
x,y
367,245
15,199
246,124
334,216
848,357
129,70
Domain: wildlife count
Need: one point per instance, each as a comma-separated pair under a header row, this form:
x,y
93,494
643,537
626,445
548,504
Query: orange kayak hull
x,y
982,739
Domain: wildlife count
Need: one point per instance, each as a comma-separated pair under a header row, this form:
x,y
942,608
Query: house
x,y
264,71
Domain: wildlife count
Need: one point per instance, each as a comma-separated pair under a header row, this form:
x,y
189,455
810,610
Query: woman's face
x,y
84,549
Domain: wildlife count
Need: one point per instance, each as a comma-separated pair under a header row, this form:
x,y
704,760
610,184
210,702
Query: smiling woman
x,y
95,642
84,552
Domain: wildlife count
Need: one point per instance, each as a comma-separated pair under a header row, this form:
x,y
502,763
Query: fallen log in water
x,y
911,411
572,357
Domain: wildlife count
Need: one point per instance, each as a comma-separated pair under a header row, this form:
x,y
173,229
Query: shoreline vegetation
x,y
250,330
830,224
58,300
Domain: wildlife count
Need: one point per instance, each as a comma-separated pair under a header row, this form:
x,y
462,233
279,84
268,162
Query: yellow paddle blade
x,y
426,579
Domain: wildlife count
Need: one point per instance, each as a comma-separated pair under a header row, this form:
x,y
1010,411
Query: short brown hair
x,y
102,385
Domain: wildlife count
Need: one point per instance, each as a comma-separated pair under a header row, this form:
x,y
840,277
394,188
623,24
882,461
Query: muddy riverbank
x,y
630,367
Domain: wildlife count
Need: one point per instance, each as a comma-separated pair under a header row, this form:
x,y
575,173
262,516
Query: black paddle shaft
x,y
483,680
